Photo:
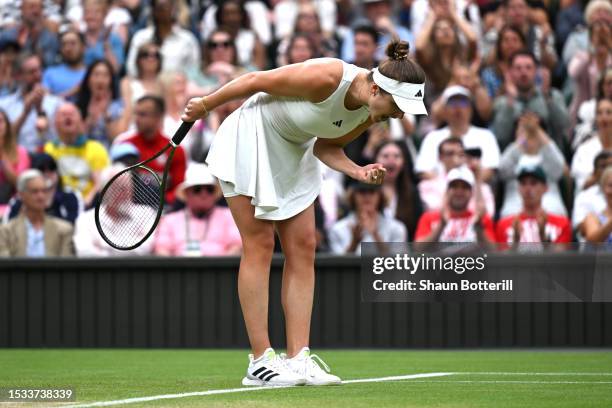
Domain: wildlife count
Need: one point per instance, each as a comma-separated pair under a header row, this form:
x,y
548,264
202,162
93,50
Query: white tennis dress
x,y
263,150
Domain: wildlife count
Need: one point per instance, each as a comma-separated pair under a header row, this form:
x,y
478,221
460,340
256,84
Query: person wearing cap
x,y
265,156
458,112
87,240
452,154
366,222
468,77
124,153
591,199
34,233
202,228
532,146
63,202
454,222
533,223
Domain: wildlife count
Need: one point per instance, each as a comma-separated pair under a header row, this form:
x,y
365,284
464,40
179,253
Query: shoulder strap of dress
x,y
350,71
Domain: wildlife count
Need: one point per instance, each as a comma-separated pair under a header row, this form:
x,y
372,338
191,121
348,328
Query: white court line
x,y
515,382
235,390
536,374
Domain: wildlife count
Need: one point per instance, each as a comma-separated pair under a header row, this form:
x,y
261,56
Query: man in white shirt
x,y
458,114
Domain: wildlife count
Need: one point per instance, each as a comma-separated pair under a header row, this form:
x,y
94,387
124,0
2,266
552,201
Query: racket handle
x,y
181,133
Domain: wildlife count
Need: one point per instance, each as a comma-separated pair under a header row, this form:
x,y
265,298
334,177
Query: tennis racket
x,y
132,201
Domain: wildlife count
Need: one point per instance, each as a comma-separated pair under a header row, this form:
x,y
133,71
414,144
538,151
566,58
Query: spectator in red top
x,y
455,222
533,224
148,117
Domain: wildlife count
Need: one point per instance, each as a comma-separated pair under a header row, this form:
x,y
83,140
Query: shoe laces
x,y
313,365
278,363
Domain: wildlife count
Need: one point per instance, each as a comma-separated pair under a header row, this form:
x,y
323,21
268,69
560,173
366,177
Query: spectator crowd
x,y
517,146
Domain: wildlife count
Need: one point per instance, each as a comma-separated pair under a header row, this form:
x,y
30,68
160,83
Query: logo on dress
x,y
419,94
338,123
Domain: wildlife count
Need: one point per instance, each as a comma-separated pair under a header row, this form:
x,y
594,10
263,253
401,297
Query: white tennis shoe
x,y
270,370
304,364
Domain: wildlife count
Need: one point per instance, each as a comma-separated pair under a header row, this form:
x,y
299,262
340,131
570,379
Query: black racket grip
x,y
181,133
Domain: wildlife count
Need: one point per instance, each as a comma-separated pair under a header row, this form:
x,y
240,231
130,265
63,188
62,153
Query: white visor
x,y
407,96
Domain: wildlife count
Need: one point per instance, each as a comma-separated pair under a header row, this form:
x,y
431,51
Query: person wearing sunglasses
x,y
146,81
202,227
219,63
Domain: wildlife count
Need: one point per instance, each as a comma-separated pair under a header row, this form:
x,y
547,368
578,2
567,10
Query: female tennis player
x,y
265,157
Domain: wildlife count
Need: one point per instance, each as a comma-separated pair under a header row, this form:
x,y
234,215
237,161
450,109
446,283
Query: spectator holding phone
x,y
453,155
532,146
458,114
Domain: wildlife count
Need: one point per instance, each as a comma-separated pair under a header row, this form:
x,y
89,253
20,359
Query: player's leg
x,y
297,236
298,241
265,366
253,277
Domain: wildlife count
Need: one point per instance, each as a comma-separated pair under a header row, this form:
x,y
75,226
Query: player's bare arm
x,y
313,80
331,152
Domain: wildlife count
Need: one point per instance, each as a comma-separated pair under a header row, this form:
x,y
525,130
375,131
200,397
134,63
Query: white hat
x,y
462,173
455,90
197,174
407,96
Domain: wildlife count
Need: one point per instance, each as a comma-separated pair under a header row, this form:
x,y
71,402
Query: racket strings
x,y
129,207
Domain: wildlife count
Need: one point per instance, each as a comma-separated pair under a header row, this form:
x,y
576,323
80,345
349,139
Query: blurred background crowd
x,y
517,146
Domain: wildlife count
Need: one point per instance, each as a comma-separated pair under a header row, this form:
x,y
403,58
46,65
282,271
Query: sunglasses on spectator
x,y
198,189
217,44
152,54
47,168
